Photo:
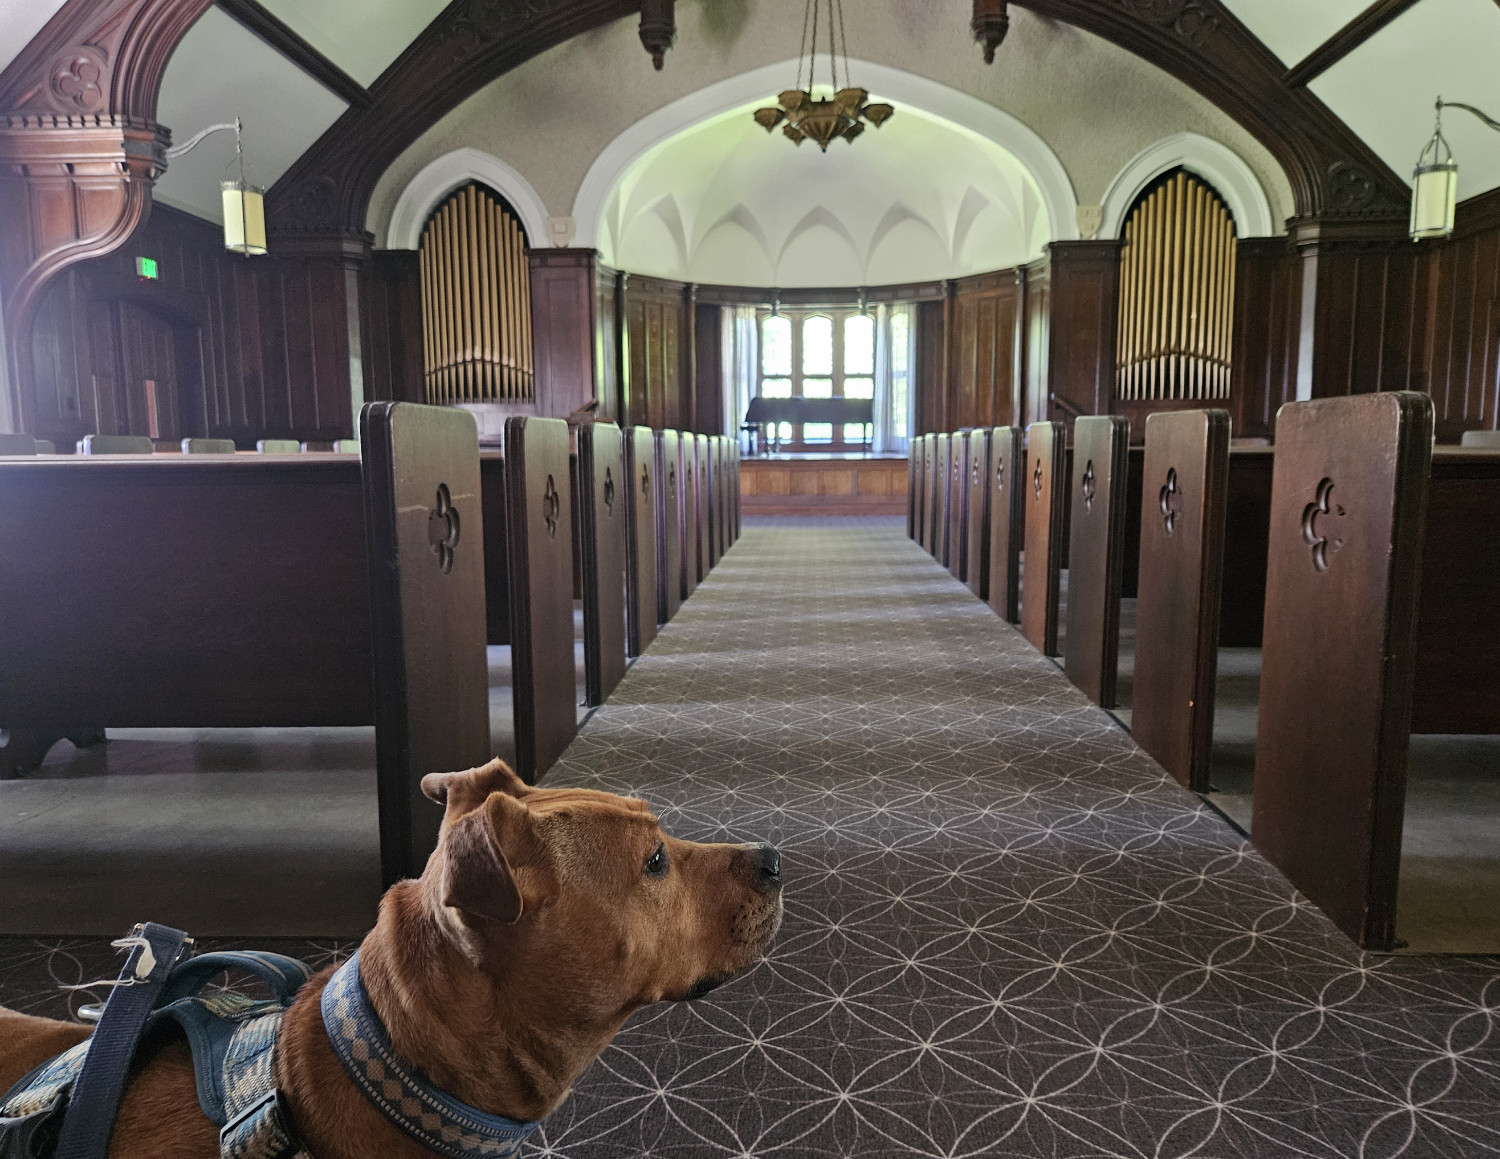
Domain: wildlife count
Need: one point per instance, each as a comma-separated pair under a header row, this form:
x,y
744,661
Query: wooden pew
x,y
241,591
977,514
642,595
958,505
1359,651
914,489
722,482
941,473
1007,514
687,474
540,541
1045,493
1096,554
708,518
735,492
604,504
1180,587
669,568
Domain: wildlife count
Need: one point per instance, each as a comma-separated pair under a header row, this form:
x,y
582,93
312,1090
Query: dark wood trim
x,y
289,43
831,296
1346,40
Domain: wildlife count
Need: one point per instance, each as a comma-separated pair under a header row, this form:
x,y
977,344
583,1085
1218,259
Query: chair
x,y
17,445
1490,440
278,447
114,445
45,447
208,446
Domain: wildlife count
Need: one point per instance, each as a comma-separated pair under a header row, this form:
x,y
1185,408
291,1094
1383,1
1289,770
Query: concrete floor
x,y
230,832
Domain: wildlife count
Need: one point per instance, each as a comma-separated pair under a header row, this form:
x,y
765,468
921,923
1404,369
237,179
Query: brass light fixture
x,y
1434,194
244,204
823,119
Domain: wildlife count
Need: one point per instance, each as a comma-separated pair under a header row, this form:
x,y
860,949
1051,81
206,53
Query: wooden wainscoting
x,y
823,485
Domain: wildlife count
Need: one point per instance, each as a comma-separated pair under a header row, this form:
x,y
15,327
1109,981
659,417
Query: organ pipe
x,y
1176,306
476,302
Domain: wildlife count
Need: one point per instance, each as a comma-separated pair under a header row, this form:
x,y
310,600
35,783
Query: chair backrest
x,y
114,445
208,446
278,447
45,447
1488,439
17,445
346,446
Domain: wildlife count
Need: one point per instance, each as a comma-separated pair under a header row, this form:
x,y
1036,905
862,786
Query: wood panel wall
x,y
987,349
390,301
659,328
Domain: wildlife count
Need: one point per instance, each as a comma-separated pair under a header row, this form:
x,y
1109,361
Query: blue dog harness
x,y
233,1039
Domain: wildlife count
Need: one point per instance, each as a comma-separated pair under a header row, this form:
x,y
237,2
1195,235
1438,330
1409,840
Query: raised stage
x,y
823,484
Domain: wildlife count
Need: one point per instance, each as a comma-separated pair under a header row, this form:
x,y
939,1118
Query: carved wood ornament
x,y
79,148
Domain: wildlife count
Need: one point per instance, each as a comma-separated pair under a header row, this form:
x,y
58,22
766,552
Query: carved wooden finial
x,y
658,28
991,22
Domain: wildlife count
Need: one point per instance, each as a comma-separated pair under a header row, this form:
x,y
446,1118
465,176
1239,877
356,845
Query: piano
x,y
773,411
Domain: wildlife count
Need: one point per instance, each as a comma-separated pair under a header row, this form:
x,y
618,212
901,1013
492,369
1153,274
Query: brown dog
x,y
542,921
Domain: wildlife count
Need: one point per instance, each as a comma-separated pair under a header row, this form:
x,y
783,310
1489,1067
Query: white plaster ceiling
x,y
1293,28
362,37
20,20
1385,89
221,71
918,199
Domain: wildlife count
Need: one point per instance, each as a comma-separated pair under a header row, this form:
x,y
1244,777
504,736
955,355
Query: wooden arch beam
x,y
79,150
472,42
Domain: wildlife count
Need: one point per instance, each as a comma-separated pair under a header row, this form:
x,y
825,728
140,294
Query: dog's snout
x,y
768,861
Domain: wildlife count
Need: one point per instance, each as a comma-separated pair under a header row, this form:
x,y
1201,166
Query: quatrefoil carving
x,y
442,529
1315,525
551,508
1000,476
609,493
976,472
79,80
645,484
1036,479
1090,486
1170,501
671,480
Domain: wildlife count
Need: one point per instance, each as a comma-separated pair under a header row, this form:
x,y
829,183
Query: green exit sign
x,y
146,269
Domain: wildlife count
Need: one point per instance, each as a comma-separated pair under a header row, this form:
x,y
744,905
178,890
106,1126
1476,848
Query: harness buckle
x,y
270,1098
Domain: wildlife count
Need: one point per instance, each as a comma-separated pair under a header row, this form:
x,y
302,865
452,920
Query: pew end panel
x,y
604,499
977,523
1045,488
641,591
496,536
958,505
942,469
704,479
425,533
687,478
1247,529
1006,507
669,524
1096,554
1348,504
914,490
930,501
541,585
1181,516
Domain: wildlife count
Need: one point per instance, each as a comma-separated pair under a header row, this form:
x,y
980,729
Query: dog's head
x,y
583,894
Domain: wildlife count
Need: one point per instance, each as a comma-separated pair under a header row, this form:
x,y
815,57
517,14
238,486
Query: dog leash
x,y
94,1103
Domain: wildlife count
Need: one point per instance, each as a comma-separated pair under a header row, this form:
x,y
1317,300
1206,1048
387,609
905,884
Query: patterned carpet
x,y
1007,934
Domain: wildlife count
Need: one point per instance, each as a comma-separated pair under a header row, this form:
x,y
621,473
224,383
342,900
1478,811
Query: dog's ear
x,y
465,791
478,878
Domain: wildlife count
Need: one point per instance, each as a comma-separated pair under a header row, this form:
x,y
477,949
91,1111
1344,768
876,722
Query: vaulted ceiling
x,y
1383,88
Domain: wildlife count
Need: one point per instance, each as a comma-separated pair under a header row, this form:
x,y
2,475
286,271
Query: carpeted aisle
x,y
1007,933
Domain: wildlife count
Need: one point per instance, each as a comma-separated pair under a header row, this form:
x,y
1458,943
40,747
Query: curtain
x,y
894,335
741,348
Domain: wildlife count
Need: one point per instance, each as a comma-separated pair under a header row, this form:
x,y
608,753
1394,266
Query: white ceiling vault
x,y
1384,89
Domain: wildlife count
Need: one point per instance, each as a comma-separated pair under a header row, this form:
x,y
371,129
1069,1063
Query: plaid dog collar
x,y
434,1119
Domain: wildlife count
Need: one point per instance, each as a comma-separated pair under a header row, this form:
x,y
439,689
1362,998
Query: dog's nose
x,y
769,861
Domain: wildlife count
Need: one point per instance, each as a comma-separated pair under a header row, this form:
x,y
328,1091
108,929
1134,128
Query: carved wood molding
x,y
1202,44
468,45
79,148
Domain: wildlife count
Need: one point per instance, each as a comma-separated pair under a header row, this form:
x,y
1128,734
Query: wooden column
x,y
1084,279
563,303
79,151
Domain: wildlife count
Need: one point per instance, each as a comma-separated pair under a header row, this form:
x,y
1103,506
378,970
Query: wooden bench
x,y
1045,490
642,595
669,515
1007,515
977,514
240,591
958,505
914,468
1359,652
605,498
1096,554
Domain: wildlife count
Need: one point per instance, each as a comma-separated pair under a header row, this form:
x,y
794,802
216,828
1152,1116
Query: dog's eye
x,y
656,864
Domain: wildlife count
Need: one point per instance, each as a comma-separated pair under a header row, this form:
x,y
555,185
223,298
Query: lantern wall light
x,y
1434,194
244,204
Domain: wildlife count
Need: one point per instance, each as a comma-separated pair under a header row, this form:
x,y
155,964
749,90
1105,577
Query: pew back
x,y
1007,513
958,504
604,500
1177,610
977,514
641,587
1096,554
668,524
942,469
1045,494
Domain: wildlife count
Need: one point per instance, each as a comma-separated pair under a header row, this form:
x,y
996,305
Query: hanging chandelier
x,y
803,116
